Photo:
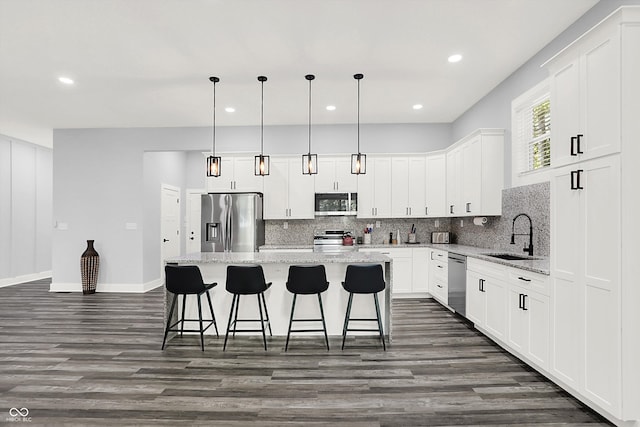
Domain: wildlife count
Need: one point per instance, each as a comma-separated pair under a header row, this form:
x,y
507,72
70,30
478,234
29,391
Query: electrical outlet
x,y
437,223
285,225
462,223
377,224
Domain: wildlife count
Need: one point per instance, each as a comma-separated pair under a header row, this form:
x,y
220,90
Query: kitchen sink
x,y
511,257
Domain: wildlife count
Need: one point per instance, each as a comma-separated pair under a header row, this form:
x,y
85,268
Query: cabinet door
x,y
400,186
475,308
471,174
496,308
600,95
436,189
565,104
420,276
402,274
244,175
518,321
382,186
224,182
453,183
275,190
366,208
417,186
346,181
538,328
325,179
301,196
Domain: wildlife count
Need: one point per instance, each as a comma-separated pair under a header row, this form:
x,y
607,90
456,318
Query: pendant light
x,y
213,162
309,161
358,161
262,161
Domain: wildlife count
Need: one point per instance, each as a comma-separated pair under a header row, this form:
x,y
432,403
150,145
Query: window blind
x,y
534,134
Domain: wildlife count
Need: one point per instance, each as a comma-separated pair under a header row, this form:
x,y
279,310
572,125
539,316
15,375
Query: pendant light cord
x,y
310,116
213,143
358,116
262,117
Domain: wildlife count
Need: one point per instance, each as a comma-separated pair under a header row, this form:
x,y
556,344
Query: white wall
x,y
100,184
25,211
494,110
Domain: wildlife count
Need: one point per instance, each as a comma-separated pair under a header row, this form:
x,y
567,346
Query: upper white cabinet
x,y
585,96
409,182
334,175
475,174
236,176
436,190
288,194
374,189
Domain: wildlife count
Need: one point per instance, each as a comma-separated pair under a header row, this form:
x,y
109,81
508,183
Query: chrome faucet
x,y
529,249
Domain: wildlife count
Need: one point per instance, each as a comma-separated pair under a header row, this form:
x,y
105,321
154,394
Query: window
x,y
532,130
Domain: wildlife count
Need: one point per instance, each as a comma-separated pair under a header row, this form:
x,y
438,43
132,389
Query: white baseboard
x,y
135,288
24,278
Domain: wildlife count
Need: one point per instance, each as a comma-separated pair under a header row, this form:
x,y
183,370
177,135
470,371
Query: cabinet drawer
x,y
529,280
486,268
437,254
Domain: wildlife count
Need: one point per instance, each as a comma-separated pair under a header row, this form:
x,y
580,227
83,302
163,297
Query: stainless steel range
x,y
331,241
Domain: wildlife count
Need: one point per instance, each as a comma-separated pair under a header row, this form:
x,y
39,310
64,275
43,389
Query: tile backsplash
x,y
495,234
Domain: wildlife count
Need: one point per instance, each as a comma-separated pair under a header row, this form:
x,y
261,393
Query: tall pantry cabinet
x,y
595,231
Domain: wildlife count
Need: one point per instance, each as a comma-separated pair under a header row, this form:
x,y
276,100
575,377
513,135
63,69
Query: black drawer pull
x,y
525,279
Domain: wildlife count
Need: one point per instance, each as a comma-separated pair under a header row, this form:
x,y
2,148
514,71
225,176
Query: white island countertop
x,y
278,258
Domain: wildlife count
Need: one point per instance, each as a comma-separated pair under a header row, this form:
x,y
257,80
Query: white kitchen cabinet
x,y
420,271
585,97
374,189
585,266
402,268
475,174
236,176
334,176
408,181
439,275
486,297
287,193
436,189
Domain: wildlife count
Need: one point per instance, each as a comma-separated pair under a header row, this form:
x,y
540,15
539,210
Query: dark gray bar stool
x,y
187,280
307,280
363,279
247,280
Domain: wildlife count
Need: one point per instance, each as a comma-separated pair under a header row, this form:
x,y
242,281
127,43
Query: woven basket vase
x,y
89,266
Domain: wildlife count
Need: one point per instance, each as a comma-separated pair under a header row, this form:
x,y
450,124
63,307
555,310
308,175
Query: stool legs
x,y
264,302
324,326
291,320
200,320
213,316
378,319
184,304
293,307
226,337
375,298
264,335
166,329
232,324
346,319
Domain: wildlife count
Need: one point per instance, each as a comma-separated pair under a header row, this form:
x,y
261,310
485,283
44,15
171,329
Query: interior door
x,y
169,224
192,236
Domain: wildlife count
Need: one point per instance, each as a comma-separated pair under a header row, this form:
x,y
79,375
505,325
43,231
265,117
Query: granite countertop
x,y
277,258
537,264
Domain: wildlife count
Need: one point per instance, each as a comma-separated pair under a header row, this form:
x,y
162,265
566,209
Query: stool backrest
x,y
364,278
245,279
183,279
307,279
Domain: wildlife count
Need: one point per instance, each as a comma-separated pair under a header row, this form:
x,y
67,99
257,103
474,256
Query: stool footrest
x,y
307,320
363,330
307,330
362,320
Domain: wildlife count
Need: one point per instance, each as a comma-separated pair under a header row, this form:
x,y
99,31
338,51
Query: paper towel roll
x,y
480,220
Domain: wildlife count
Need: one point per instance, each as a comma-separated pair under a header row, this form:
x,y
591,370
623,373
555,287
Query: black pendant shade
x,y
261,167
214,162
359,160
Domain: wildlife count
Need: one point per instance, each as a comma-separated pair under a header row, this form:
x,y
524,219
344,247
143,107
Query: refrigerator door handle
x,y
228,207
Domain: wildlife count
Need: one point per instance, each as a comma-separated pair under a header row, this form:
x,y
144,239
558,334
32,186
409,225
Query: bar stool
x,y
187,280
363,279
307,280
246,280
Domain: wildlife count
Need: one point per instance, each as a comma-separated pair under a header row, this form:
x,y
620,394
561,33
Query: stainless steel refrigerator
x,y
232,222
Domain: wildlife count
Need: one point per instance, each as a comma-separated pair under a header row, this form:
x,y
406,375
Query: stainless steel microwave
x,y
336,204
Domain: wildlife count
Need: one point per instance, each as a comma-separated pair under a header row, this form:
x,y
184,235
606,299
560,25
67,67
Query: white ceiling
x,y
139,63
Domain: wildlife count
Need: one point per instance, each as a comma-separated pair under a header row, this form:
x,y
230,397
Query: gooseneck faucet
x,y
529,249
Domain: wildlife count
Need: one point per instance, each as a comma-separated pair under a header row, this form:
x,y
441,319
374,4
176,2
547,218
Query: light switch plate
x,y
285,225
437,223
377,224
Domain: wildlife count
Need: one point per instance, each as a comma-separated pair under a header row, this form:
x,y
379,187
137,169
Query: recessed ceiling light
x,y
229,109
417,107
331,107
65,80
455,58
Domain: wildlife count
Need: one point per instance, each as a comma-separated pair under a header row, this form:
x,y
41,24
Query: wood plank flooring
x,y
79,360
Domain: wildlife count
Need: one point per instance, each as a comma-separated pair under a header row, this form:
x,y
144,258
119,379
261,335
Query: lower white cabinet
x,y
410,269
439,275
420,270
487,296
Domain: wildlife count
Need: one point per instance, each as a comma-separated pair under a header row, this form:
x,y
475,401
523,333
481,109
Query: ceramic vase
x,y
89,266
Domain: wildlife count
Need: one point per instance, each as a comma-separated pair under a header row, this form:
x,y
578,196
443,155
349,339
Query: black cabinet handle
x,y
524,302
481,285
520,300
190,238
573,146
524,278
578,143
451,209
164,240
468,207
578,175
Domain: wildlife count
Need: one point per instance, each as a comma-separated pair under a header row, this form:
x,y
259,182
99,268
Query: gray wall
x,y
103,180
25,210
494,110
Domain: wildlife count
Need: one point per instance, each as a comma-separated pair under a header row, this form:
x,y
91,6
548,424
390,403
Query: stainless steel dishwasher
x,y
457,283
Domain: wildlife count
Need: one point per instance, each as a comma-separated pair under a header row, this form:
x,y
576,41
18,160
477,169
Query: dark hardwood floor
x,y
96,360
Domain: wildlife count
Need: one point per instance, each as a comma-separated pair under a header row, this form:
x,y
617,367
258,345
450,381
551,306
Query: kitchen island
x,y
213,266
